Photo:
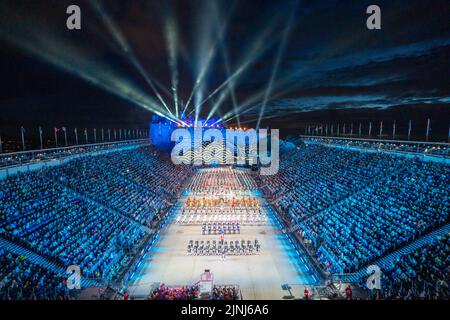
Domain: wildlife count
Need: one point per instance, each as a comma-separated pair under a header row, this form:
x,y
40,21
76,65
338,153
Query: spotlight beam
x,y
259,45
230,85
279,54
120,39
222,28
171,37
216,105
46,45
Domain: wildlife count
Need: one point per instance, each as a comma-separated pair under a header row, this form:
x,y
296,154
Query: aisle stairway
x,y
41,261
387,261
31,256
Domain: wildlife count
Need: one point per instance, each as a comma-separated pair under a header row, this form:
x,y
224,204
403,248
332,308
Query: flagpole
x,y
40,138
409,129
370,129
448,137
381,129
393,131
56,136
428,128
359,130
95,135
65,135
103,136
22,130
76,136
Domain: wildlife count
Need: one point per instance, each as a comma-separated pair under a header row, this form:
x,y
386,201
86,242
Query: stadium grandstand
x,y
130,219
225,156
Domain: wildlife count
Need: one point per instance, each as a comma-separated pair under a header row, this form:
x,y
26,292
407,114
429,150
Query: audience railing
x,y
20,158
435,149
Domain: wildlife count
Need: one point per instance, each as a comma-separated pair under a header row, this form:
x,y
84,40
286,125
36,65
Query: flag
x,y
22,131
56,136
40,138
65,135
370,128
409,129
393,131
381,128
448,138
428,127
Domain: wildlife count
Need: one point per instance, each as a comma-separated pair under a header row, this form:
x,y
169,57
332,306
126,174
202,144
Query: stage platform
x,y
259,276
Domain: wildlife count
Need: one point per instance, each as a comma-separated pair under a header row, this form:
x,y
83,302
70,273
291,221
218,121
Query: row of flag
x,y
125,134
319,129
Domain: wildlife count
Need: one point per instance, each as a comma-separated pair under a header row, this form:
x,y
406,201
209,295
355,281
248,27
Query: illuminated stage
x,y
259,276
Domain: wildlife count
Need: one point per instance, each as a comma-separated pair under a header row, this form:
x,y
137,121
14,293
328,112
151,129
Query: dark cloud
x,y
331,61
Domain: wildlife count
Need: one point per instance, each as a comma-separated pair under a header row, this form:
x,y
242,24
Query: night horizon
x,y
329,64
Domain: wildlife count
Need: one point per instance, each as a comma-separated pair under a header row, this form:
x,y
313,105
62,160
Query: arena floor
x,y
258,276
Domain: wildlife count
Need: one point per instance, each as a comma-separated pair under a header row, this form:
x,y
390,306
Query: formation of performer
x,y
222,195
221,228
223,247
242,216
222,180
222,201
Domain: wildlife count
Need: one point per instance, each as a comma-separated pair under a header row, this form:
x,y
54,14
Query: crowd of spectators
x,y
422,274
92,211
137,183
357,206
164,292
225,293
54,222
36,156
315,177
425,148
22,280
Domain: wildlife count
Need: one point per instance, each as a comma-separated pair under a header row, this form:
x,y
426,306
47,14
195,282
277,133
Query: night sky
x,y
330,67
